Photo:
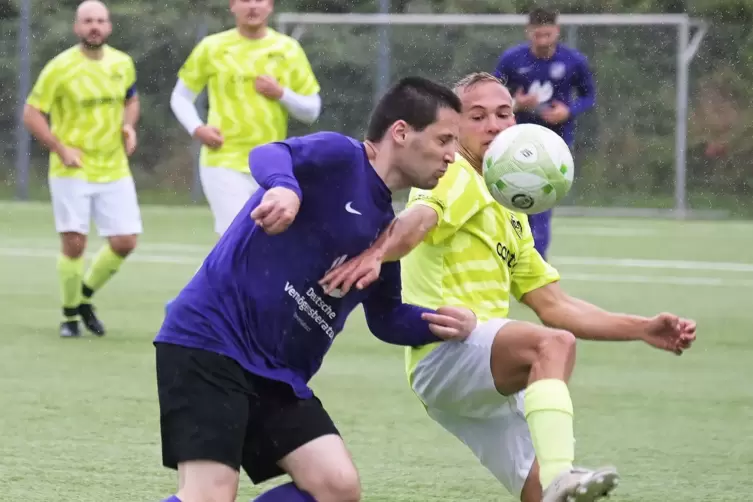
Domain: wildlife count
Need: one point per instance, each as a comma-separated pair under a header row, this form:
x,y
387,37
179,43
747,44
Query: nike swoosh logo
x,y
349,208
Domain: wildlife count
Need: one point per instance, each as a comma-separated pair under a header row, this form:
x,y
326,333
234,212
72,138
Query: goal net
x,y
630,150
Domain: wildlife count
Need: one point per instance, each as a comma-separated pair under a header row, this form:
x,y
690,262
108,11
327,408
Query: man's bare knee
x,y
206,481
123,245
555,353
557,342
523,352
324,469
72,244
335,486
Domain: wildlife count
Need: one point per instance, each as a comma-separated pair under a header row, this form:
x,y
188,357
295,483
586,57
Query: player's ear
x,y
399,132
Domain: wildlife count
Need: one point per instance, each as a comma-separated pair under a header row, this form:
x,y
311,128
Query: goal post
x,y
690,33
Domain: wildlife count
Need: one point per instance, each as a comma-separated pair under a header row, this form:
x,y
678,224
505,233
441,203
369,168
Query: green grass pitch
x,y
78,418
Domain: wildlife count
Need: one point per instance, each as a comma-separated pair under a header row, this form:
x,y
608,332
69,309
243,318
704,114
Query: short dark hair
x,y
416,100
541,17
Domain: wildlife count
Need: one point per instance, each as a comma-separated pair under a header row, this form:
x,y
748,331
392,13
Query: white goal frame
x,y
687,46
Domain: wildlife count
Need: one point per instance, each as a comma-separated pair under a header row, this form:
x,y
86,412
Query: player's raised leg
x,y
504,394
541,360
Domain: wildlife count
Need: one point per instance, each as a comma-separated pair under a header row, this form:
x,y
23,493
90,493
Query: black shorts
x,y
213,409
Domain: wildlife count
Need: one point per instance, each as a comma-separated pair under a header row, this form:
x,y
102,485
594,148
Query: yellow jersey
x,y
85,99
476,256
227,64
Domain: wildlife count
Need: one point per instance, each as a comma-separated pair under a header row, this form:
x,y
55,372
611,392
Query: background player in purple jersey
x,y
543,75
241,341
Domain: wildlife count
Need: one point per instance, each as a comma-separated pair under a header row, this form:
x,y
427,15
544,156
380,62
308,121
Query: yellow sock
x,y
70,272
549,413
103,267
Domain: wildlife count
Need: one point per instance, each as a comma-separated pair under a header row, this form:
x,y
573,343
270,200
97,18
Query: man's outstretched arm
x,y
586,321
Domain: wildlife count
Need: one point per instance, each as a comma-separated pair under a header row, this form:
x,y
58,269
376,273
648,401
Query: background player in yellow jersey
x,y
89,93
503,391
256,77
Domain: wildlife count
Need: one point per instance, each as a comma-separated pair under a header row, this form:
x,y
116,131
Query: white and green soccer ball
x,y
528,168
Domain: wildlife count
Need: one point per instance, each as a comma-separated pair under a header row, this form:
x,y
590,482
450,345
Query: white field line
x,y
195,259
52,246
136,257
604,231
45,247
655,264
659,279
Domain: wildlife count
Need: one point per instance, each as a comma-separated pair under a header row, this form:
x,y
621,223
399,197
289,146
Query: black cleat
x,y
69,329
90,319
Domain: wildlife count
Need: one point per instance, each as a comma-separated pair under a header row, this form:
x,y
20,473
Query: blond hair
x,y
473,79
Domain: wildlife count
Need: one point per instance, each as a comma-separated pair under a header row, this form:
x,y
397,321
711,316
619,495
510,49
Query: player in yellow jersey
x,y
89,93
255,78
503,392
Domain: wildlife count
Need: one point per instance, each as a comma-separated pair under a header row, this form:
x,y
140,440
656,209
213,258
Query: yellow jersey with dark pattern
x,y
85,100
227,64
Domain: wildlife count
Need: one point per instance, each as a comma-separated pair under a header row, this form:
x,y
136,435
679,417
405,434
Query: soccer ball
x,y
528,168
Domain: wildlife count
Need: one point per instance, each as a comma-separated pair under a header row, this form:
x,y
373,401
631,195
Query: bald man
x,y
83,108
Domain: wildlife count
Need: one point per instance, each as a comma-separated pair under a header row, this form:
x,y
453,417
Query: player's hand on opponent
x,y
451,323
671,333
557,113
277,210
70,157
360,271
268,87
209,136
129,136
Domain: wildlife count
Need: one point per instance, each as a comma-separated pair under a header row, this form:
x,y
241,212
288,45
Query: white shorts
x,y
455,383
114,206
227,191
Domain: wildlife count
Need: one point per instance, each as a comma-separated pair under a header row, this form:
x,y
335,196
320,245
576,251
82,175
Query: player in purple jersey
x,y
543,74
241,341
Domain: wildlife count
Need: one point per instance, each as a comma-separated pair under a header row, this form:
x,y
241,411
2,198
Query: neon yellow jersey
x,y
478,254
85,99
227,64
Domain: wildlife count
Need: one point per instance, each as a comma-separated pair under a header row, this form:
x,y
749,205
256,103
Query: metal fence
x,y
632,150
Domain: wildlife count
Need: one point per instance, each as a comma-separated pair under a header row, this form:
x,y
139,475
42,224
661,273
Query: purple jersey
x,y
558,78
256,297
